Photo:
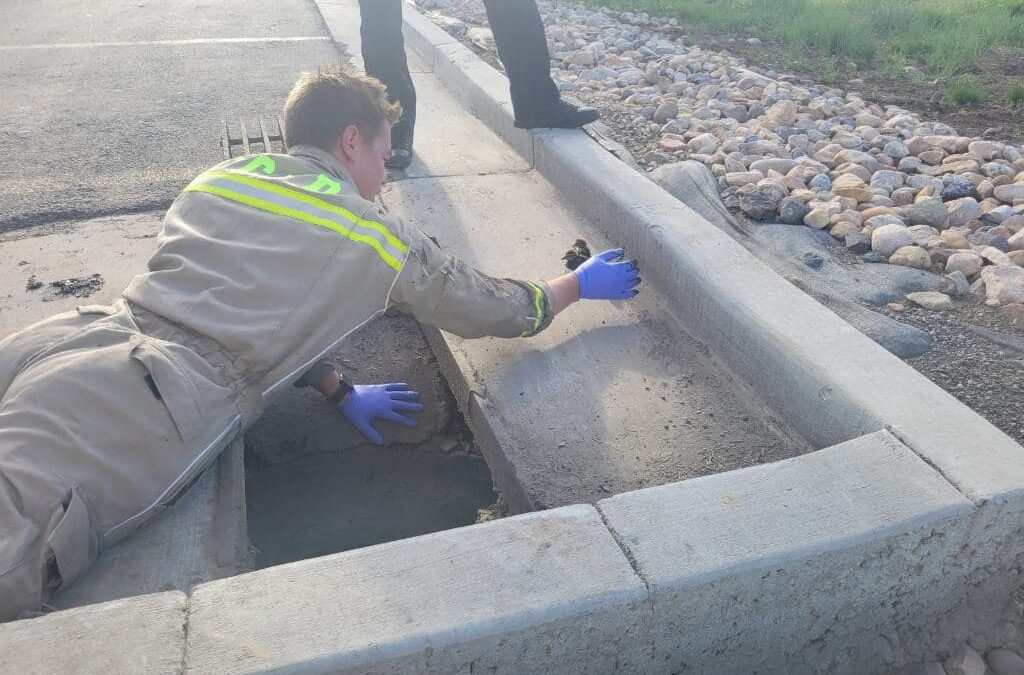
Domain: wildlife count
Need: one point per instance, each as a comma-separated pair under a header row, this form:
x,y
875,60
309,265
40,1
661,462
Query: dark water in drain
x,y
335,502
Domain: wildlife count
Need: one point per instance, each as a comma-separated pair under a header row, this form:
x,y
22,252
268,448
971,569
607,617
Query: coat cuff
x,y
542,305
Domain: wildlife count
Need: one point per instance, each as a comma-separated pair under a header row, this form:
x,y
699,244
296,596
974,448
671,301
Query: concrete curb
x,y
145,634
822,563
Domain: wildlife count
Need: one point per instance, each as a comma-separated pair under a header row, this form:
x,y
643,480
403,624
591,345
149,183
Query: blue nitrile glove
x,y
604,277
367,402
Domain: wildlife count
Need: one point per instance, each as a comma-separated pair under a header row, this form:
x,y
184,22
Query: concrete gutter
x,y
830,380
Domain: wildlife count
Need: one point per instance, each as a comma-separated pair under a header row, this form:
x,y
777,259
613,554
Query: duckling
x,y
577,255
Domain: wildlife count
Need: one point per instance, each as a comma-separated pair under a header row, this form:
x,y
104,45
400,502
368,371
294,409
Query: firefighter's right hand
x,y
367,402
606,276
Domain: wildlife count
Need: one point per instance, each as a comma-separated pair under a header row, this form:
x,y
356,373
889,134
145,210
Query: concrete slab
x,y
116,247
446,149
832,381
422,36
138,635
612,397
796,566
536,593
203,536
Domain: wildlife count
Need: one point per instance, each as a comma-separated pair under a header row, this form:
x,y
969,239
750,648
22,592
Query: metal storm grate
x,y
262,137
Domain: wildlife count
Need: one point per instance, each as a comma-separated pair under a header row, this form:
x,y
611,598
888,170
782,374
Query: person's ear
x,y
346,146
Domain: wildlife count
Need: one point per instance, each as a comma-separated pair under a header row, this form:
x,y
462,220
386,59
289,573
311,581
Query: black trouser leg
x,y
384,57
523,48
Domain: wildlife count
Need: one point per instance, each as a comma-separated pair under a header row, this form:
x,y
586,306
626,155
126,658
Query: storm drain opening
x,y
262,136
314,486
334,502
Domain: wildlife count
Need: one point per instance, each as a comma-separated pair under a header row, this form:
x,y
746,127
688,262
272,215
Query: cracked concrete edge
x,y
482,421
801,565
812,367
146,633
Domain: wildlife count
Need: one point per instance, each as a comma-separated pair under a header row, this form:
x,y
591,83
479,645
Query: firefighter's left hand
x,y
367,402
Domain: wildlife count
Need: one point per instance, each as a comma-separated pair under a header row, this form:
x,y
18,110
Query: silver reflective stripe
x,y
290,202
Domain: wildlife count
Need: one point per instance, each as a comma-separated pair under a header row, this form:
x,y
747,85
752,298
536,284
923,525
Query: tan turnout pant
x,y
101,426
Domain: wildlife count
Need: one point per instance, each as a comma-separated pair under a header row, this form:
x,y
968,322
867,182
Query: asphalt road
x,y
113,107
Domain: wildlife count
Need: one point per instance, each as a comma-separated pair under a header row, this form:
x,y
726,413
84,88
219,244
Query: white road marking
x,y
168,43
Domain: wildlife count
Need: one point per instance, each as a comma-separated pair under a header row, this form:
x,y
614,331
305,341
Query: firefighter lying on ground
x,y
263,265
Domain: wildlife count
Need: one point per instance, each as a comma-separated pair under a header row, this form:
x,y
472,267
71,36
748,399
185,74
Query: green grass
x,y
965,90
895,62
949,37
1015,96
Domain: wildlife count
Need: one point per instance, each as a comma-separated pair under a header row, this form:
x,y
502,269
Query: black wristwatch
x,y
344,387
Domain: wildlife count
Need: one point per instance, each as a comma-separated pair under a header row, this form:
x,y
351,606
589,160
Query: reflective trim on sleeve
x,y
538,301
274,198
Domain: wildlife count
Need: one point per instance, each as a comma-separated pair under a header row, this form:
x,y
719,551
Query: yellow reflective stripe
x,y
324,185
538,296
277,209
312,201
261,163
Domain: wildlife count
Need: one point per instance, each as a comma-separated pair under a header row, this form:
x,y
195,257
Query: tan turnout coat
x,y
264,264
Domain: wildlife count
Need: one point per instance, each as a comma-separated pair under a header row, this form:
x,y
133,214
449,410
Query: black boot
x,y
401,146
561,115
401,157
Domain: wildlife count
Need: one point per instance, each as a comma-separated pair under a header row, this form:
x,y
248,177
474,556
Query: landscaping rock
x,y
995,256
1005,662
788,149
887,239
961,211
1016,242
763,202
954,240
959,285
929,211
792,211
932,300
665,112
1010,194
704,144
958,188
858,242
1004,284
911,256
965,662
818,218
966,262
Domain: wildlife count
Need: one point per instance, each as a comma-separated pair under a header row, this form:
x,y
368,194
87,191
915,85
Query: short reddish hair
x,y
322,104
